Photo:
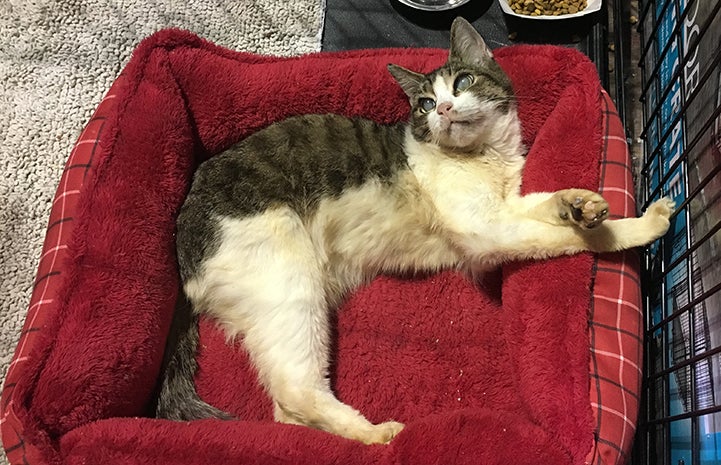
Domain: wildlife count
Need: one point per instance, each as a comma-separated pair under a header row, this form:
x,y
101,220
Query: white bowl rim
x,y
592,7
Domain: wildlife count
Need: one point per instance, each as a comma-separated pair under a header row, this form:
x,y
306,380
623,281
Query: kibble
x,y
547,7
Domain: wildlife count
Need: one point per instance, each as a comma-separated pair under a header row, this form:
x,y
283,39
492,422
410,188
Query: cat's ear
x,y
467,45
409,81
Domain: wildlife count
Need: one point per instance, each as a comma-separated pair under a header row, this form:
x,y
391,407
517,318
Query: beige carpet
x,y
57,60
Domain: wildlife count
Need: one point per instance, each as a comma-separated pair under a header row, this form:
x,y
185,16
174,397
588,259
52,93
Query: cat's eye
x,y
427,104
463,82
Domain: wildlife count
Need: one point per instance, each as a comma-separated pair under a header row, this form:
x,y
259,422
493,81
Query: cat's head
x,y
462,103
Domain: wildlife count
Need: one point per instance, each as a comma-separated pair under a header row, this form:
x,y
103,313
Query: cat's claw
x,y
586,208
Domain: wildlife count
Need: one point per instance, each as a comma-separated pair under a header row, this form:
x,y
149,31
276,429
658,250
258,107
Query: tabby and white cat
x,y
278,228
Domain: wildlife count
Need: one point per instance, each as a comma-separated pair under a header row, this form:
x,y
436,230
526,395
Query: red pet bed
x,y
504,371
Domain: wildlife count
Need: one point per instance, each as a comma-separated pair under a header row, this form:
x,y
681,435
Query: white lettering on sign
x,y
691,32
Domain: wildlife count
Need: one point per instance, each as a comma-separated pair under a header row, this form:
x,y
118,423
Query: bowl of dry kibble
x,y
550,9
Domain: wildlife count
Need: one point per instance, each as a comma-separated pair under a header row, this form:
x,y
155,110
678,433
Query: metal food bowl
x,y
434,5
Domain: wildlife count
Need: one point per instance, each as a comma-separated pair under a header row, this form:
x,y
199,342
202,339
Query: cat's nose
x,y
444,108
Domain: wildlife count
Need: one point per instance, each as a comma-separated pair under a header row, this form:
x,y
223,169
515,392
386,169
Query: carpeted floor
x,y
57,60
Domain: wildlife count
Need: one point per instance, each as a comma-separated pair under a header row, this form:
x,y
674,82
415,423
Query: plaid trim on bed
x,y
44,304
616,315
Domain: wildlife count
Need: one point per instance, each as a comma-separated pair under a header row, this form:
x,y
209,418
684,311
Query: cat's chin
x,y
460,136
472,147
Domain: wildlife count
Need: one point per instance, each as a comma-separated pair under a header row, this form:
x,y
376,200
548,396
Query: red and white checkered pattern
x,y
44,305
616,315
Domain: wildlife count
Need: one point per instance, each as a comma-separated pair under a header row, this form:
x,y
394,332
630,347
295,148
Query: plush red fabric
x,y
491,374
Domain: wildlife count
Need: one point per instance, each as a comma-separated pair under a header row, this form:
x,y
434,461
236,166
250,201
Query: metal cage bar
x,y
680,61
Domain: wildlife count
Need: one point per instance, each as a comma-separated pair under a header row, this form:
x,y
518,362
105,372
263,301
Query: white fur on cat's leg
x,y
319,408
266,282
515,236
634,232
580,207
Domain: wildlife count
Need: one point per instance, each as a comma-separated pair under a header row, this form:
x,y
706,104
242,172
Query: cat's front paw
x,y
587,209
659,215
664,208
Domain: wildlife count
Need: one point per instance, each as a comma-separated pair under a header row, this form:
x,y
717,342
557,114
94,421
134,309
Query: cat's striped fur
x,y
276,230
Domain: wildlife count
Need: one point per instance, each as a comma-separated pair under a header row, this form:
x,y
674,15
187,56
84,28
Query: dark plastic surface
x,y
355,24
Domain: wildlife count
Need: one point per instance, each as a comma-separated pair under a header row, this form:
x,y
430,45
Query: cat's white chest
x,y
467,193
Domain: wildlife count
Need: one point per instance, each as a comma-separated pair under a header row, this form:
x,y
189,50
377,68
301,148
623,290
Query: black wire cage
x,y
680,421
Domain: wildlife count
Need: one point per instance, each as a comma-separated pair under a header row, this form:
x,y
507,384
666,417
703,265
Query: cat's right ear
x,y
467,45
409,81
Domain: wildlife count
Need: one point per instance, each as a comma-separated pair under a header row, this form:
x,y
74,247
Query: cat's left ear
x,y
467,45
409,81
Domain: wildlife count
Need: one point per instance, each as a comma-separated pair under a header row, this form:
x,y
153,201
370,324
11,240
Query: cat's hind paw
x,y
585,208
383,433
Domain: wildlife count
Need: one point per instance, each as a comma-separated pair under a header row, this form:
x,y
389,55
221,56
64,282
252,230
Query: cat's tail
x,y
178,400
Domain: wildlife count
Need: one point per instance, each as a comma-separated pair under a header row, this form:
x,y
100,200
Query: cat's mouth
x,y
456,124
447,123
459,131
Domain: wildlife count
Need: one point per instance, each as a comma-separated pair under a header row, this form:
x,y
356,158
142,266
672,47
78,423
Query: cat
x,y
276,230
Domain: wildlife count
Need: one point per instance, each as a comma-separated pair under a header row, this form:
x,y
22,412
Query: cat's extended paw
x,y
585,208
663,208
658,216
383,433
